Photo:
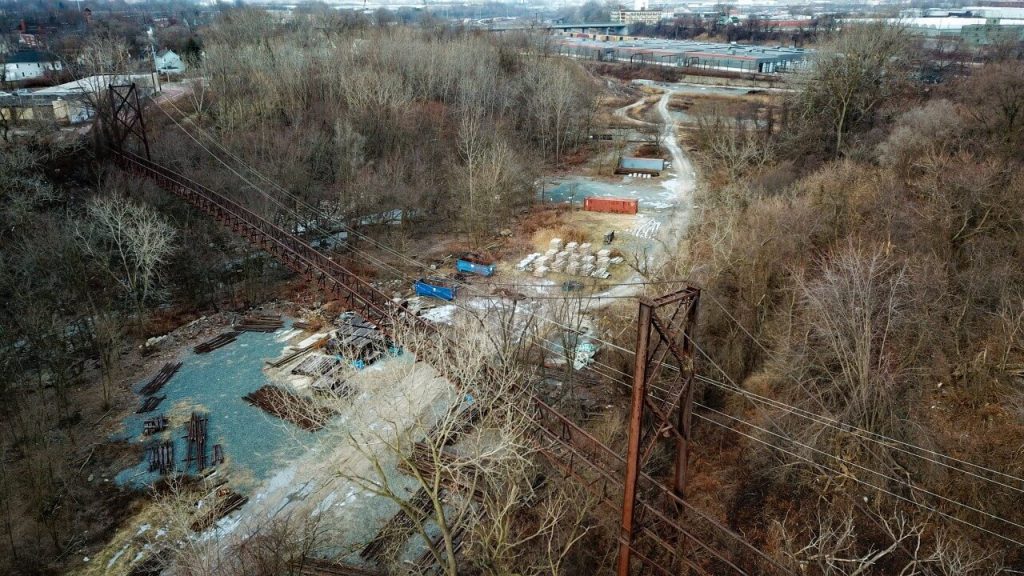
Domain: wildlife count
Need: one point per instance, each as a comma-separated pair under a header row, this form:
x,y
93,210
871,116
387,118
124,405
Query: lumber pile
x,y
161,457
422,459
154,425
296,353
299,410
195,450
307,326
150,404
225,501
316,365
161,378
260,323
218,455
216,342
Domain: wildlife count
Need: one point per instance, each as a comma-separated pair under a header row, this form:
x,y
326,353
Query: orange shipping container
x,y
613,205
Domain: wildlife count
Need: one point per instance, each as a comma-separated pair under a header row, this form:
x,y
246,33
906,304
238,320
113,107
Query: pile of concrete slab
x,y
572,259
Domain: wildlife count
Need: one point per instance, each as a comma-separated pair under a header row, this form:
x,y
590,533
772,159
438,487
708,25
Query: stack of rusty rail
x,y
216,342
399,528
161,378
196,438
161,457
260,323
425,461
426,563
225,501
154,425
150,404
318,567
296,353
218,455
360,294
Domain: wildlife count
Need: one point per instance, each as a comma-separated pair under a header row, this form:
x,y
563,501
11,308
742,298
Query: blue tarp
x,y
473,268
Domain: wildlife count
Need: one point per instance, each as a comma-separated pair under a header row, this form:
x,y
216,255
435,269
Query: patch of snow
x,y
441,315
117,556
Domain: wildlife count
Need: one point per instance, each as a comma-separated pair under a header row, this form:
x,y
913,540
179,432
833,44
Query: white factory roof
x,y
90,84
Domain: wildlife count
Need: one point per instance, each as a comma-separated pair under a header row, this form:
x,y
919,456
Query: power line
x,y
858,480
861,432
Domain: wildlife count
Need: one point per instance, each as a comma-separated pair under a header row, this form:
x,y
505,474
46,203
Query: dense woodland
x,y
859,254
860,257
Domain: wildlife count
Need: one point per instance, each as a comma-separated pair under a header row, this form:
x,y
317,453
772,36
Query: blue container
x,y
473,268
433,288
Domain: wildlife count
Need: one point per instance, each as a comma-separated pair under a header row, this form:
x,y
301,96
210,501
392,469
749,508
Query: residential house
x,y
167,62
29,65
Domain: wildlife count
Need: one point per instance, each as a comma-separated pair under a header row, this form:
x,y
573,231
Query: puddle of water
x,y
254,442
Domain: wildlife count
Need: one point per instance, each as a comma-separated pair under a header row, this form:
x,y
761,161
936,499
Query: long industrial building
x,y
688,53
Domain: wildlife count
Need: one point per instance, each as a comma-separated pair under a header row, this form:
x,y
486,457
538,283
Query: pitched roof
x,y
29,57
164,52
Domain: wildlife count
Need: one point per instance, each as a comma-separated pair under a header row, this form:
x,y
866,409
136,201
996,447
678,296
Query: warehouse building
x,y
684,53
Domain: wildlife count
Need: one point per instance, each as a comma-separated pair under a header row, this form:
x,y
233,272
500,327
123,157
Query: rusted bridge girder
x,y
564,444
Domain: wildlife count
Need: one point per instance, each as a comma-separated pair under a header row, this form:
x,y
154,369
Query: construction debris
x,y
154,425
161,378
301,411
217,342
196,438
296,353
316,365
260,323
161,457
225,502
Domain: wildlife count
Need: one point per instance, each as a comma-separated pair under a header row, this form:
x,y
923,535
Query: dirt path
x,y
682,182
684,179
623,113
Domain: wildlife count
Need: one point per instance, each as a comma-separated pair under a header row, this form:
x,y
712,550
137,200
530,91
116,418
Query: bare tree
x,y
847,80
129,242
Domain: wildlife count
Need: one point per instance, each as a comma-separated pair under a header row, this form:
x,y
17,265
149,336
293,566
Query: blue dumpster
x,y
474,268
434,288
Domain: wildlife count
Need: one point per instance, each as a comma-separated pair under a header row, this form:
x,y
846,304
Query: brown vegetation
x,y
861,261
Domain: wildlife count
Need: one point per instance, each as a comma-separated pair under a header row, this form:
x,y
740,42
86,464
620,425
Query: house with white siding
x,y
167,62
29,65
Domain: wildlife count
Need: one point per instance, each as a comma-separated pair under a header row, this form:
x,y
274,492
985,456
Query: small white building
x,y
29,65
167,62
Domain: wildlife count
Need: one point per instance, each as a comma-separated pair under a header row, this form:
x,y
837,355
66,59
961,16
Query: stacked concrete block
x,y
585,248
540,271
600,273
558,266
572,269
604,253
571,247
527,263
586,269
588,259
555,244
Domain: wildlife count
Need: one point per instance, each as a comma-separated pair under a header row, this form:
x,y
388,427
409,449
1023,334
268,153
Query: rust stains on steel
x,y
161,378
440,351
669,321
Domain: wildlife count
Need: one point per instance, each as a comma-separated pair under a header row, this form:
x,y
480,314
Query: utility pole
x,y
665,326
